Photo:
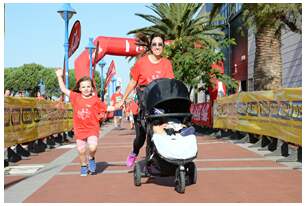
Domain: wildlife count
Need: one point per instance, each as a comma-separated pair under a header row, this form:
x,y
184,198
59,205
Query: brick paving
x,y
226,173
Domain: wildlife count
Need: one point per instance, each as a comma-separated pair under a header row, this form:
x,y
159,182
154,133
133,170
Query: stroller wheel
x,y
137,174
192,173
180,181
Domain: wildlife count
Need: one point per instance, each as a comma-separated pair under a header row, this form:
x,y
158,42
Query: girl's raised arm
x,y
59,74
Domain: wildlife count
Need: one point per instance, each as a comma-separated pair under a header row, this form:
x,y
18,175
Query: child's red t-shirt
x,y
145,72
86,115
116,98
134,107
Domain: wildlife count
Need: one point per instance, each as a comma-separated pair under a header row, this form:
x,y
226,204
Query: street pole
x,y
66,13
66,46
114,83
42,87
102,64
108,93
91,47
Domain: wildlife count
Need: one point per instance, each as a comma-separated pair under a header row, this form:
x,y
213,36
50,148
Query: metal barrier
x,y
272,120
31,126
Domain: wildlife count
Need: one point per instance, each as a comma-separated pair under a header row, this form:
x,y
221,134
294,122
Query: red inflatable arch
x,y
108,45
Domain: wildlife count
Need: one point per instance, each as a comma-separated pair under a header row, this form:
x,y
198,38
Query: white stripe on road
x,y
231,159
114,147
201,169
212,142
120,163
22,169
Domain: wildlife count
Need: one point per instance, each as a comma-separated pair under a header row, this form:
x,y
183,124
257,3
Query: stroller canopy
x,y
169,94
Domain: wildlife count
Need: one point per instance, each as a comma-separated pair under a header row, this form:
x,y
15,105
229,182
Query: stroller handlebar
x,y
168,115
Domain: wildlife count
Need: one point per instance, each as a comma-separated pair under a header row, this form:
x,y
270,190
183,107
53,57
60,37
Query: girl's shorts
x,y
91,140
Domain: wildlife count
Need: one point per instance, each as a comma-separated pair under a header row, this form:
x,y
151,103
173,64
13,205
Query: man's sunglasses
x,y
155,44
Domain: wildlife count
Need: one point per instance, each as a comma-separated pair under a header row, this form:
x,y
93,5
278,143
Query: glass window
x,y
238,7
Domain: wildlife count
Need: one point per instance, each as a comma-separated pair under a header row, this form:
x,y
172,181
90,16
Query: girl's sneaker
x,y
92,166
131,160
84,171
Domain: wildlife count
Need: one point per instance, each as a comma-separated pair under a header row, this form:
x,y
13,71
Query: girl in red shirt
x,y
87,109
148,68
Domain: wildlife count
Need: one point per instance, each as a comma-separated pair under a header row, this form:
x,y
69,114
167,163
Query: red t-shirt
x,y
86,115
134,107
145,72
116,98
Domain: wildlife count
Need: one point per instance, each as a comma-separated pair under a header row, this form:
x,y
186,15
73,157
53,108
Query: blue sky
x,y
34,32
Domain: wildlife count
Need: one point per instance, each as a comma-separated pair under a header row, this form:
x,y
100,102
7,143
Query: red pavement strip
x,y
226,173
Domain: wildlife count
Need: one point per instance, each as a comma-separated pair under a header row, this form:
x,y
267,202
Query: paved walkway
x,y
227,172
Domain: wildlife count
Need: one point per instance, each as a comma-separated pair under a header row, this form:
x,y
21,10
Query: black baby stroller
x,y
165,100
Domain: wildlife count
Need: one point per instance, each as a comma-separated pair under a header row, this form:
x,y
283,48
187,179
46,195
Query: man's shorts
x,y
118,113
131,118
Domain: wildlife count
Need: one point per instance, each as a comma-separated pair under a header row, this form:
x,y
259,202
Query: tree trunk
x,y
268,60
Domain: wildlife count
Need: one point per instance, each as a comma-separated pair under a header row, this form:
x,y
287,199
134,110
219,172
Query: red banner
x,y
110,73
74,38
201,114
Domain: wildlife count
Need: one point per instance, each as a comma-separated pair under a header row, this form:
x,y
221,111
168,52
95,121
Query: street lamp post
x,y
42,87
91,47
108,94
102,64
114,80
66,12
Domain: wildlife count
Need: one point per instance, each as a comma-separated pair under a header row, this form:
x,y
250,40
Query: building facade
x,y
239,58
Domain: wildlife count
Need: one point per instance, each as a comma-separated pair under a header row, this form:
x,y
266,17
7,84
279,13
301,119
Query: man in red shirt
x,y
148,68
115,99
134,111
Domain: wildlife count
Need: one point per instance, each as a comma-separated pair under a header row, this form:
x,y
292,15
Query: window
x,y
238,7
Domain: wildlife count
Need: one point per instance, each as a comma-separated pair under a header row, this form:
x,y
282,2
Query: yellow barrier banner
x,y
275,113
27,119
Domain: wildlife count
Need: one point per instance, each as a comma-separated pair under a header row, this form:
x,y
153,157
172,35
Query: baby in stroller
x,y
171,143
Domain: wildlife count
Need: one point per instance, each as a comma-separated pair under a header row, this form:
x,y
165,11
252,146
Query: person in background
x,y
115,99
86,109
7,93
133,112
39,96
152,65
20,94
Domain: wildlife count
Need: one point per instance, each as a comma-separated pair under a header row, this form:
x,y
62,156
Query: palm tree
x,y
193,39
176,21
268,20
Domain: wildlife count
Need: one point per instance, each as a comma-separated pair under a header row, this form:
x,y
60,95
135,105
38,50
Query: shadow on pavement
x,y
163,181
101,166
